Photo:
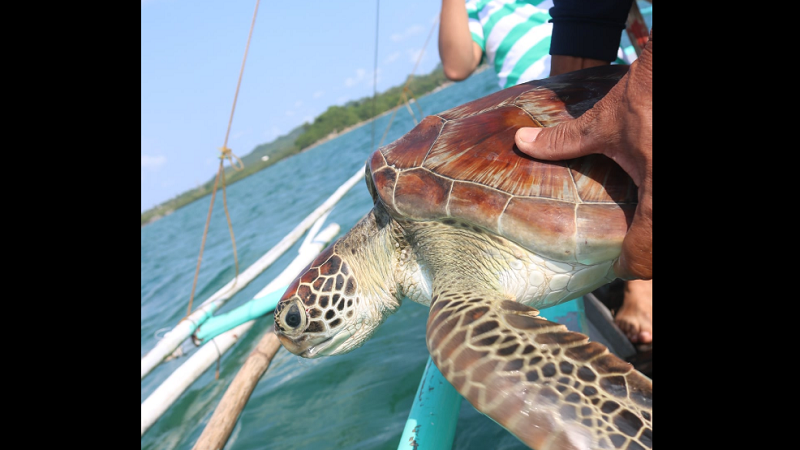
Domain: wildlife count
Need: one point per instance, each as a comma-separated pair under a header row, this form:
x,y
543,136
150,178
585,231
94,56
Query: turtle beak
x,y
304,345
289,343
311,348
330,346
317,350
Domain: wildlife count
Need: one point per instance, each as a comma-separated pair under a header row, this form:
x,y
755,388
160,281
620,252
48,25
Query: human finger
x,y
566,140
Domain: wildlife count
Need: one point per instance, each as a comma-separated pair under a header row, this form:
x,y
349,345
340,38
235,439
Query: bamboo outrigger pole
x,y
221,424
173,339
171,389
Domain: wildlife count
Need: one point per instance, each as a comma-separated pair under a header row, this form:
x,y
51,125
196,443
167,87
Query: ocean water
x,y
355,401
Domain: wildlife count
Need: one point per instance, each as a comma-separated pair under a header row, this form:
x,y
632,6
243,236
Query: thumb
x,y
563,141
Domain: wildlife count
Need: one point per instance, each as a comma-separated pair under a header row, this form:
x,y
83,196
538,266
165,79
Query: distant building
x,y
265,157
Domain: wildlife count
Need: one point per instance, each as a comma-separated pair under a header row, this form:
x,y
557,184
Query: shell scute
x,y
599,179
476,203
480,149
464,164
410,150
553,100
377,161
544,226
491,101
384,181
600,230
421,195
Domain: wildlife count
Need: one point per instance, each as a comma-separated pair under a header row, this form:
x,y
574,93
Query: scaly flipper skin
x,y
550,387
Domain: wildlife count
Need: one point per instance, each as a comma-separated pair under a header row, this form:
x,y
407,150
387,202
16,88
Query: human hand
x,y
619,126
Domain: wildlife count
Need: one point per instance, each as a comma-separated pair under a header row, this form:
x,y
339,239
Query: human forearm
x,y
460,55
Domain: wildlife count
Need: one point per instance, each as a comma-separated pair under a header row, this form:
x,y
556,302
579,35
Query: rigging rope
x,y
226,153
407,90
375,76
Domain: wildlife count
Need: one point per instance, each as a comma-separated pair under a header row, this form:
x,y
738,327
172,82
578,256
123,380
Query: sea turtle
x,y
485,235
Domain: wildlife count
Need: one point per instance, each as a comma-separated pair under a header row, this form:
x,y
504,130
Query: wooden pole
x,y
165,394
221,424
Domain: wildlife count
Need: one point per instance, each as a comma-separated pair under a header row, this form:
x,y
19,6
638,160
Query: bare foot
x,y
635,316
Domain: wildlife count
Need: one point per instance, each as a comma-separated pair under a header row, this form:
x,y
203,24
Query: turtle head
x,y
313,322
339,299
323,312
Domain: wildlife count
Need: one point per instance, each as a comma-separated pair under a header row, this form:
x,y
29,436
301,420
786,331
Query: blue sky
x,y
303,57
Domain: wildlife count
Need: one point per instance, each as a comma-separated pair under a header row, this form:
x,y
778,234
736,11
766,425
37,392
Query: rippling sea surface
x,y
359,400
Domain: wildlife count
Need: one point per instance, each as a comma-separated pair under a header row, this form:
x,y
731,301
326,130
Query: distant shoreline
x,y
169,206
444,85
364,122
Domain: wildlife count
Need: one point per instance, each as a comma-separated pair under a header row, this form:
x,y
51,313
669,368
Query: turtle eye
x,y
292,317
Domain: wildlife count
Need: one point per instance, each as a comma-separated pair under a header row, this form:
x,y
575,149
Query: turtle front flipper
x,y
550,387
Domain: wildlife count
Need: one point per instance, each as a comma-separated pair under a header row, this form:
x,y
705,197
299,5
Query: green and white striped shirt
x,y
515,37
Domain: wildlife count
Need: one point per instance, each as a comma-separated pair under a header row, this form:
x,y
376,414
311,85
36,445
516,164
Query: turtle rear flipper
x,y
550,387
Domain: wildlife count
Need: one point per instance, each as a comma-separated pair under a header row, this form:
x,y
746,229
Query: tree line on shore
x,y
334,120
